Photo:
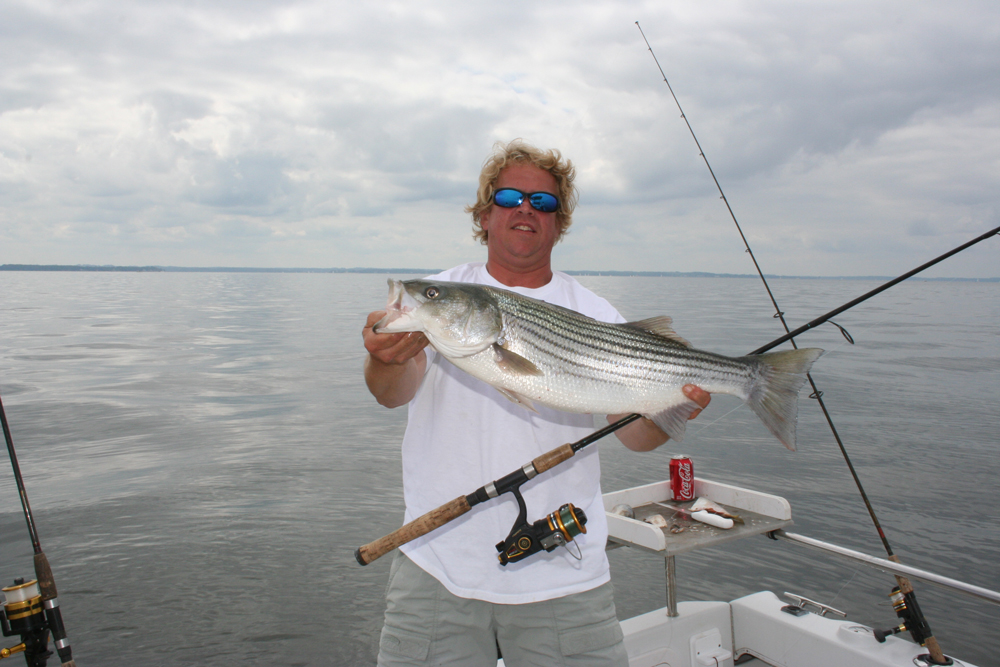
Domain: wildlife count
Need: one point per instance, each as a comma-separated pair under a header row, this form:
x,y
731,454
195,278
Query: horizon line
x,y
361,269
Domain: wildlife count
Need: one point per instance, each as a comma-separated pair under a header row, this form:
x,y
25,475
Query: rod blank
x,y
891,567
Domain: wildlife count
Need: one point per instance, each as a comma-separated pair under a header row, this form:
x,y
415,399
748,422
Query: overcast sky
x,y
851,137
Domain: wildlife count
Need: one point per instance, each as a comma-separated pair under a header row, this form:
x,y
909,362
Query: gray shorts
x,y
426,625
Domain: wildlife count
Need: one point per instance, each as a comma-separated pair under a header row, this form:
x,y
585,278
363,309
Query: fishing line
x,y
854,575
703,426
699,426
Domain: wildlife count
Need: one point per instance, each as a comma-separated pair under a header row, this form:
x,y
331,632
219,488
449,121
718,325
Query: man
x,y
450,602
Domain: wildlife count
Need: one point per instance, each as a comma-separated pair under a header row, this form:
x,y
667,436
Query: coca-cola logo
x,y
684,481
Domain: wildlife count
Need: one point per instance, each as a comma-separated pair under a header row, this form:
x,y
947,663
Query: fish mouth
x,y
397,310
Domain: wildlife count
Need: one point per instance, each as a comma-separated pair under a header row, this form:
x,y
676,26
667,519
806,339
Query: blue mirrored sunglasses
x,y
540,201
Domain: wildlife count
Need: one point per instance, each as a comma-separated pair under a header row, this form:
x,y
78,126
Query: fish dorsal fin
x,y
514,363
661,326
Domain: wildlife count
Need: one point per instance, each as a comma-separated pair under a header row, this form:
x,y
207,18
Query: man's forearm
x,y
393,385
642,435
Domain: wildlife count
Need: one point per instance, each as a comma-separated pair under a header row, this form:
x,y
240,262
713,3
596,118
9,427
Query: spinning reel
x,y
23,614
556,530
913,621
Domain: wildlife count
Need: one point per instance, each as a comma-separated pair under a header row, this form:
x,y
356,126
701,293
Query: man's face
x,y
521,239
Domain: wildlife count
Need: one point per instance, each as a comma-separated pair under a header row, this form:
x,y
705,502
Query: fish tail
x,y
774,396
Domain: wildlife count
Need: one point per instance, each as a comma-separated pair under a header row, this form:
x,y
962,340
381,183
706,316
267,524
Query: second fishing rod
x,y
31,610
908,609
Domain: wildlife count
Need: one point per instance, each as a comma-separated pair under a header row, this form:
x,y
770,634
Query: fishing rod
x,y
524,538
512,482
31,609
903,597
864,297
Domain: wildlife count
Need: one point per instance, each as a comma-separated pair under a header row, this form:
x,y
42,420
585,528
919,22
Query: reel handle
x,y
411,531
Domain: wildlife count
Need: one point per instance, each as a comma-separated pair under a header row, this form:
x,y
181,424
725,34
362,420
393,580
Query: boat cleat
x,y
800,608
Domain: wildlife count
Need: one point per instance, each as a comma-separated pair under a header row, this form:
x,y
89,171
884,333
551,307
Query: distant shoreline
x,y
248,269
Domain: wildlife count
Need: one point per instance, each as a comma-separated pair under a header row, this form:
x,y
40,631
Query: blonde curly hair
x,y
520,152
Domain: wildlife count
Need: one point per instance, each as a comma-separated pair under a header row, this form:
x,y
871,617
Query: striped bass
x,y
535,352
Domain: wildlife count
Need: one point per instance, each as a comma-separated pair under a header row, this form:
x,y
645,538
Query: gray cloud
x,y
339,134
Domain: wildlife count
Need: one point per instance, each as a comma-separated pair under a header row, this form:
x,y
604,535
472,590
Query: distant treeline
x,y
201,269
363,269
74,267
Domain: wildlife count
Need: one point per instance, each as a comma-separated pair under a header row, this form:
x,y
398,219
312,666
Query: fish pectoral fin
x,y
661,326
514,363
515,397
673,421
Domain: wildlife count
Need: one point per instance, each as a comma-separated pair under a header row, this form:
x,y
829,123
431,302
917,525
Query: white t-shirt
x,y
462,433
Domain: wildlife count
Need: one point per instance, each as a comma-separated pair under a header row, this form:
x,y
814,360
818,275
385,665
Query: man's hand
x,y
396,348
699,396
395,363
643,435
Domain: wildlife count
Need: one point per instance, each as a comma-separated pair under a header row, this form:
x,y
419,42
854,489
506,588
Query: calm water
x,y
202,457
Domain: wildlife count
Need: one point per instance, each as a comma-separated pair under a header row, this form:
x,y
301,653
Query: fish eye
x,y
431,292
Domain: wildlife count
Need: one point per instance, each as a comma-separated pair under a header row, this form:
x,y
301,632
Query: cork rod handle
x,y
552,458
411,531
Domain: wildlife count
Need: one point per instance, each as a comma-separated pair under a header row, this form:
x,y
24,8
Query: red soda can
x,y
681,477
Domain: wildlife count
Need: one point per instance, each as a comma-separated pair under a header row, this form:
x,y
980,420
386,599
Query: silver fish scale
x,y
632,364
